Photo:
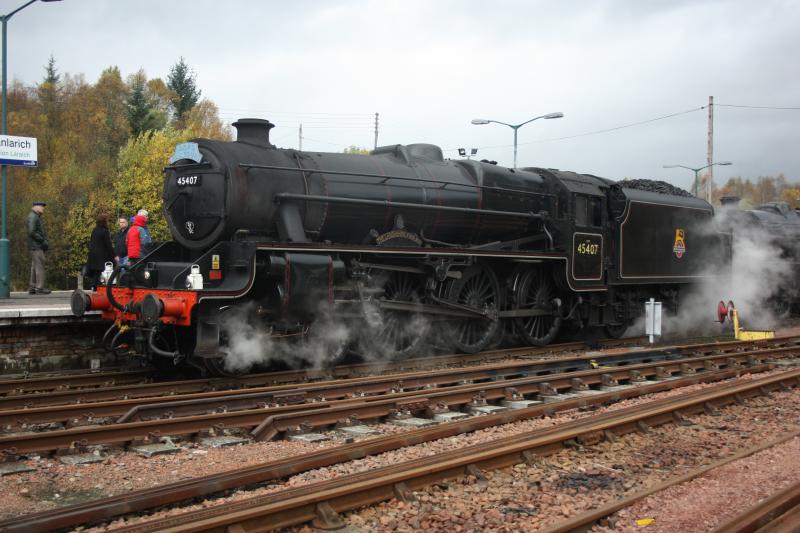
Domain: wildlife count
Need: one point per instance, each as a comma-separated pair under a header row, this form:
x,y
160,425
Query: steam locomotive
x,y
403,246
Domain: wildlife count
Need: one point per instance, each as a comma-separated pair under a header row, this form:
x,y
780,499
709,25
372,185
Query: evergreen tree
x,y
139,107
50,100
51,73
181,80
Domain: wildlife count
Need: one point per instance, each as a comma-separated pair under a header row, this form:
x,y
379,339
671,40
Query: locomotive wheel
x,y
394,334
478,287
616,331
535,290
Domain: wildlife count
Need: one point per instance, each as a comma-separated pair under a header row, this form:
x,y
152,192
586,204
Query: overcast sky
x,y
429,67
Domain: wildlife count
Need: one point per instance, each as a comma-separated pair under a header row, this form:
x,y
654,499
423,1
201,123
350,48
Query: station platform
x,y
29,309
38,332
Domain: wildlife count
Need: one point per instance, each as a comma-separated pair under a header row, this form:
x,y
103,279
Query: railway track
x,y
321,502
47,382
82,388
264,422
141,500
780,513
174,405
263,382
585,521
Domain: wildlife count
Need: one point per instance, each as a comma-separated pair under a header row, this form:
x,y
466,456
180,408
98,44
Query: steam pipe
x,y
384,179
386,203
109,293
151,342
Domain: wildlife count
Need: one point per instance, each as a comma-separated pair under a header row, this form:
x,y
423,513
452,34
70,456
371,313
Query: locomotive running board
x,y
523,256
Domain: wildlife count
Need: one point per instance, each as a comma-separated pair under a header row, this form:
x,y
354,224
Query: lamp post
x,y
697,174
463,152
5,259
515,127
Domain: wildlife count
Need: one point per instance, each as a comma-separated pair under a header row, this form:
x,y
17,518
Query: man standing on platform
x,y
37,244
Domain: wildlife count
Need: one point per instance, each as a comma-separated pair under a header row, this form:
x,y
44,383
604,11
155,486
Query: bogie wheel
x,y
394,334
535,290
477,288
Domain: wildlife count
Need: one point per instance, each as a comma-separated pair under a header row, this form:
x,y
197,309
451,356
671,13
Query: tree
x,y
142,116
51,105
792,197
181,81
203,121
353,149
139,181
160,96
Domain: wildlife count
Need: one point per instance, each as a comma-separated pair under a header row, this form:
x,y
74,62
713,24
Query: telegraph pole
x,y
376,132
710,178
300,135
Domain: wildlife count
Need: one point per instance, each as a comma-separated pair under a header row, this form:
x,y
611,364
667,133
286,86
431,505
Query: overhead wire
x,y
595,132
759,107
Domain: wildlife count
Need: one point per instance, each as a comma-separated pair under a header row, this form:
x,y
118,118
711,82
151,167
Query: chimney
x,y
254,131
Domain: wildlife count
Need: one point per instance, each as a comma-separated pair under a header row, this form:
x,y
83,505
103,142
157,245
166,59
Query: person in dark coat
x,y
120,242
100,250
37,244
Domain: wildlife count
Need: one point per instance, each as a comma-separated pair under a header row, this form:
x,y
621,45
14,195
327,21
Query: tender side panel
x,y
666,242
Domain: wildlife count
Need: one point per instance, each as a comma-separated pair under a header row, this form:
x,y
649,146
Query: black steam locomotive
x,y
403,246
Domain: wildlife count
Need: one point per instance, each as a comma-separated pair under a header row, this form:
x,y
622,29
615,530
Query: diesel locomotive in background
x,y
396,244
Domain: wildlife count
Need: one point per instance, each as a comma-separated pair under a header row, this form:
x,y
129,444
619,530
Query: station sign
x,y
18,151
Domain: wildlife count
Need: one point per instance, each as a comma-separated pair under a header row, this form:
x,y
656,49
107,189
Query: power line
x,y
607,130
595,132
759,107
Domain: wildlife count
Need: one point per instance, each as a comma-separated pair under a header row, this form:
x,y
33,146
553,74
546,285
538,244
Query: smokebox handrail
x,y
383,179
386,203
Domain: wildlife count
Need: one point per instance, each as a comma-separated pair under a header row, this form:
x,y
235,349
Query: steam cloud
x,y
251,344
758,273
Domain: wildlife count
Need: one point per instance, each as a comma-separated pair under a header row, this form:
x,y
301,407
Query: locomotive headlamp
x,y
194,281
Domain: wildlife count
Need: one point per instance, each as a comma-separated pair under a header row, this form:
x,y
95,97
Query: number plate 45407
x,y
187,181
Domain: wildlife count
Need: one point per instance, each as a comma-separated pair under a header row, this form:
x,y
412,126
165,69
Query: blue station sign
x,y
18,151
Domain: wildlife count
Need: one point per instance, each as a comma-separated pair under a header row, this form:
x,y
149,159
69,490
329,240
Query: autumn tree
x,y
181,81
90,159
763,190
203,121
353,149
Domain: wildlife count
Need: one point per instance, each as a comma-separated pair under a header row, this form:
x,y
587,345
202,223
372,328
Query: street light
x,y
5,260
697,175
463,152
515,127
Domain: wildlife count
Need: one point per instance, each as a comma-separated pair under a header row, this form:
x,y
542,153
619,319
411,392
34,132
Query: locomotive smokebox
x,y
254,131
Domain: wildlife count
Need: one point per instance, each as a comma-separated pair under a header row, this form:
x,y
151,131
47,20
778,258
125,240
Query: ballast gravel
x,y
525,498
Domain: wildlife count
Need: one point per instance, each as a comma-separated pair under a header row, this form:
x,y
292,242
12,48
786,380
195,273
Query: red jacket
x,y
134,240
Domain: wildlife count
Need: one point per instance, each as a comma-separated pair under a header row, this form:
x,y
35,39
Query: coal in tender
x,y
660,187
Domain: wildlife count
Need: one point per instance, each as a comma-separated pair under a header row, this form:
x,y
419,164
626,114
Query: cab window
x,y
588,211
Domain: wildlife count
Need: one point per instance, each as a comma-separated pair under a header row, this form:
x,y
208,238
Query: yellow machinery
x,y
740,333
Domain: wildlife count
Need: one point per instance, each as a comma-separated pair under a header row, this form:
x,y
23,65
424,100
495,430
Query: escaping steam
x,y
250,342
757,273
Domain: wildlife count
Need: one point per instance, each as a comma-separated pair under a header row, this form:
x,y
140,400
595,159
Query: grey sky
x,y
428,67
